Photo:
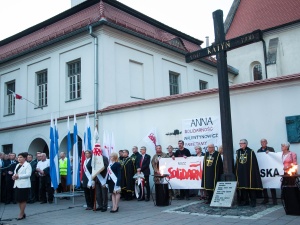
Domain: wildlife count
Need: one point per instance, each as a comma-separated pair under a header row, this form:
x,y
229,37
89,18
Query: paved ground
x,y
137,213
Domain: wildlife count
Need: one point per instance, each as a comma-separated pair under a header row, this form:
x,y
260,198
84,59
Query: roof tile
x,y
252,15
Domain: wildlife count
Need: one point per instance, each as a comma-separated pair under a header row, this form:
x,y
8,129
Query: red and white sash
x,y
87,173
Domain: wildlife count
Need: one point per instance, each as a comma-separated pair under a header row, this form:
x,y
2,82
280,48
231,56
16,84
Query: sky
x,y
193,17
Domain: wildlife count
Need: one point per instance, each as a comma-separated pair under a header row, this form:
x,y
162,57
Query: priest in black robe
x,y
212,171
247,174
127,173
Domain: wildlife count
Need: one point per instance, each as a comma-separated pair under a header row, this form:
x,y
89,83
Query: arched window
x,y
257,72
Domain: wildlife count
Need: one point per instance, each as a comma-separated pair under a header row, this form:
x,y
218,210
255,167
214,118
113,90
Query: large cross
x,y
219,49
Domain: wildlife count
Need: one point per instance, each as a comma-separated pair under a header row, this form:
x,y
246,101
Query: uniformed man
x,y
212,171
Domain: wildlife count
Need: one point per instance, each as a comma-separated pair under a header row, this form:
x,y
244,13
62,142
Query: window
x,y
272,51
257,72
136,80
10,98
174,83
41,82
7,148
202,85
74,76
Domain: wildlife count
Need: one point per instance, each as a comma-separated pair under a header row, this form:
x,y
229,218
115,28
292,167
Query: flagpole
x,y
26,99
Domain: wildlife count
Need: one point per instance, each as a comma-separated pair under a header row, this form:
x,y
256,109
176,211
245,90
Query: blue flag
x,y
69,146
76,163
53,156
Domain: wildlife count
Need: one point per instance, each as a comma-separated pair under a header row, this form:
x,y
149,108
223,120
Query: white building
x,y
108,60
94,55
277,55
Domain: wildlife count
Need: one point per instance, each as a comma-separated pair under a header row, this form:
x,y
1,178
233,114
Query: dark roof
x,y
246,16
179,97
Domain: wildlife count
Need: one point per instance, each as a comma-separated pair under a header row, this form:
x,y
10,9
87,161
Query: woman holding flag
x,y
114,181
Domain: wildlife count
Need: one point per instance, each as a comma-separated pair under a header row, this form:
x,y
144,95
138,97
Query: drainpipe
x,y
265,56
96,96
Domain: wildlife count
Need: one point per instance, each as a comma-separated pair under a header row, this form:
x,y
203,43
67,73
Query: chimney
x,y
207,41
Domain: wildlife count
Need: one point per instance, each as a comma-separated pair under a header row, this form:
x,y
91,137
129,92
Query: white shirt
x,y
43,165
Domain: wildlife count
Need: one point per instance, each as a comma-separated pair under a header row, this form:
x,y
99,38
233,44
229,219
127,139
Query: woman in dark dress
x,y
22,183
114,181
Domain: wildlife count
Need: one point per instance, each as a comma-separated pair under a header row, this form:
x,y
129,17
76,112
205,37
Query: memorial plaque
x,y
223,194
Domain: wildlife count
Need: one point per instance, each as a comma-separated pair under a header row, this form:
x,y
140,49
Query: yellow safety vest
x,y
63,165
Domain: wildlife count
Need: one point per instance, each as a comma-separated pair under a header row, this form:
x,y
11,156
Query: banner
x,y
201,131
270,166
185,173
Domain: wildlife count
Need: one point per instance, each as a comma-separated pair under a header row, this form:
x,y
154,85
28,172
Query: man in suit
x,y
143,162
2,177
101,189
9,183
33,164
267,149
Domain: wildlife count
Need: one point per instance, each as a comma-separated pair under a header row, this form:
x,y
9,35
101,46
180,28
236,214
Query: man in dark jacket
x,y
266,149
33,164
101,189
182,152
10,165
143,163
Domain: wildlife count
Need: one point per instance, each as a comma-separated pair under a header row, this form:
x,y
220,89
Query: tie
x,y
141,161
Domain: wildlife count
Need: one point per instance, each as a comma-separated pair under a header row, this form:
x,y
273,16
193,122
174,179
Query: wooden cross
x,y
219,49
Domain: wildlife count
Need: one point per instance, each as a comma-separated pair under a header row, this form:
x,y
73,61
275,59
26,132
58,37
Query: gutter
x,y
96,84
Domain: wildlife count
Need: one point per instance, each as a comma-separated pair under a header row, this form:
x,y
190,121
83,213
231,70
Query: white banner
x,y
270,166
201,131
187,173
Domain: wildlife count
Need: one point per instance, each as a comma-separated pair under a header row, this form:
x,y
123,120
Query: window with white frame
x,y
7,148
257,72
74,77
174,83
42,88
10,98
202,85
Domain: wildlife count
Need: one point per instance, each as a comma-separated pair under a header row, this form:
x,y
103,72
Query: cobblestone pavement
x,y
135,212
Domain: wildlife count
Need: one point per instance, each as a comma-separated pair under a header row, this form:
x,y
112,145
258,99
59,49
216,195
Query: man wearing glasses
x,y
247,174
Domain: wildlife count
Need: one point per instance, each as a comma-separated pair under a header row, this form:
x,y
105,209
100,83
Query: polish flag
x,y
17,96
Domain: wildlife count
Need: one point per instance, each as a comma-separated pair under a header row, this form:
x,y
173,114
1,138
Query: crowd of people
x,y
27,180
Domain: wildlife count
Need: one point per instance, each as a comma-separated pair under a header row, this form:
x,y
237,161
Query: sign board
x,y
227,45
223,194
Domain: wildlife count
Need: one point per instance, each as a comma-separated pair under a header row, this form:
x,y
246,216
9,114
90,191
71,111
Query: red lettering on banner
x,y
183,174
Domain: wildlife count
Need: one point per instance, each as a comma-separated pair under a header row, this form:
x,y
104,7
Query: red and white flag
x,y
106,144
17,96
151,138
97,160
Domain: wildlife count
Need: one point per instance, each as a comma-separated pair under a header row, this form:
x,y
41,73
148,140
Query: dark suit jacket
x,y
85,180
270,149
11,168
145,168
105,161
33,165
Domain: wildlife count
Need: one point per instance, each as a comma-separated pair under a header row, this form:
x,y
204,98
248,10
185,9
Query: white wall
x,y
257,112
287,55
